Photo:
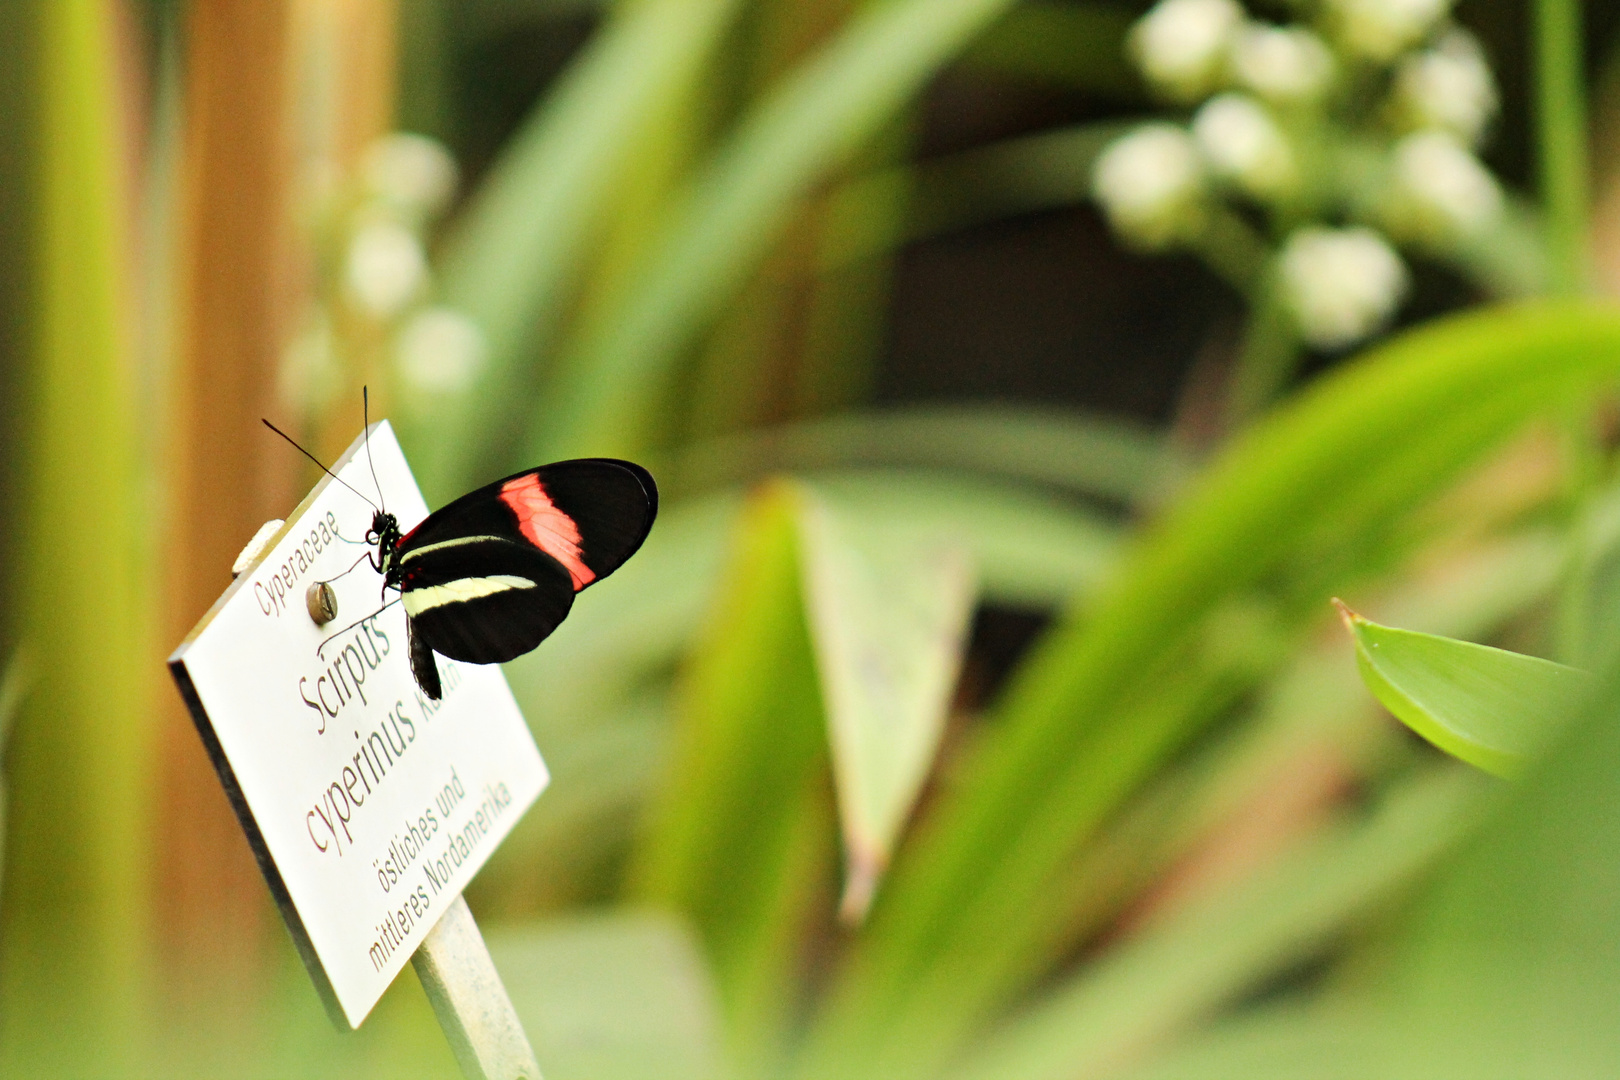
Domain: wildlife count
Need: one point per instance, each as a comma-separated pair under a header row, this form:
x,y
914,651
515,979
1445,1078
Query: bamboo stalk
x,y
236,295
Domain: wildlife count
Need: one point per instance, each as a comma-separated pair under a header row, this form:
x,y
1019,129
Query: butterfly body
x,y
489,576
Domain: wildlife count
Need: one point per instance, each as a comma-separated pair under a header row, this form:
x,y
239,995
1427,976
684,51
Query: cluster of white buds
x,y
376,223
1280,118
406,182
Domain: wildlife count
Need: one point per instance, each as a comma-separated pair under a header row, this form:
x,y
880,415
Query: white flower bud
x,y
412,173
1439,191
1283,64
1180,45
1449,86
1381,29
386,267
1243,144
1151,185
1340,284
439,350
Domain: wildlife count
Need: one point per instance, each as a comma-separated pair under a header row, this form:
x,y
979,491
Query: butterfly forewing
x,y
590,514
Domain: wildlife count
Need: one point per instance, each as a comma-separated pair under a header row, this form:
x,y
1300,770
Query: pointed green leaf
x,y
888,610
511,258
738,837
808,124
1490,707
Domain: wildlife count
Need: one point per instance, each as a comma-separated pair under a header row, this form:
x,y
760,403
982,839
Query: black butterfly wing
x,y
489,576
423,666
482,599
590,514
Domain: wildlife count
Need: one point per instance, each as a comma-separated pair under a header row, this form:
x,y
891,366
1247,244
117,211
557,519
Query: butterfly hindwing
x,y
423,666
483,599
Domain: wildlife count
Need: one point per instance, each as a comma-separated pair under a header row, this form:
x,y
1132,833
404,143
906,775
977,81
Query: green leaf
x,y
513,254
1031,550
741,836
1509,964
956,191
813,121
1094,455
889,611
1073,45
1490,707
1506,964
1104,698
611,997
1178,971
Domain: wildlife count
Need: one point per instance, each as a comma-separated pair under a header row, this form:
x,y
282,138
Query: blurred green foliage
x,y
1176,840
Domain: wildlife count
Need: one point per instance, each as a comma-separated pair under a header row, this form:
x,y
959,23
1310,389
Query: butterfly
x,y
486,578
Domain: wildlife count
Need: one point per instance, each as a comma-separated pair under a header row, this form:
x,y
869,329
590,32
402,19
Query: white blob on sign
x,y
369,806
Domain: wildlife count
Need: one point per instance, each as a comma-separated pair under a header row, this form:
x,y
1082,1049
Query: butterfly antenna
x,y
317,461
354,624
365,415
352,565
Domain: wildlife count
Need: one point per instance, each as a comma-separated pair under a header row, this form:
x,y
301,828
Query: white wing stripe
x,y
425,599
456,542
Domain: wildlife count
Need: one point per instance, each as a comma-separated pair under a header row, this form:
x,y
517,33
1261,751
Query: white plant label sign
x,y
368,805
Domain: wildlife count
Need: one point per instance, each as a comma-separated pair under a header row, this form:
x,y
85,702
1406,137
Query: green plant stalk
x,y
1267,360
846,321
1560,105
1092,455
1356,448
1081,46
957,191
75,909
609,383
1561,144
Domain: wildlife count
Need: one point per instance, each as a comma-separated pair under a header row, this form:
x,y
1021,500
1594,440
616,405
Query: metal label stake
x,y
470,1001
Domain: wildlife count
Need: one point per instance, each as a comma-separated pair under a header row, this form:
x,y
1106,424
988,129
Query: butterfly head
x,y
384,532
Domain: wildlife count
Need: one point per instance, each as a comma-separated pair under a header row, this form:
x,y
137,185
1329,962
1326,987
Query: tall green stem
x,y
1561,140
1561,150
76,889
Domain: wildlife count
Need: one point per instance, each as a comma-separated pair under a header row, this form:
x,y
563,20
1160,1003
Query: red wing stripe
x,y
547,527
